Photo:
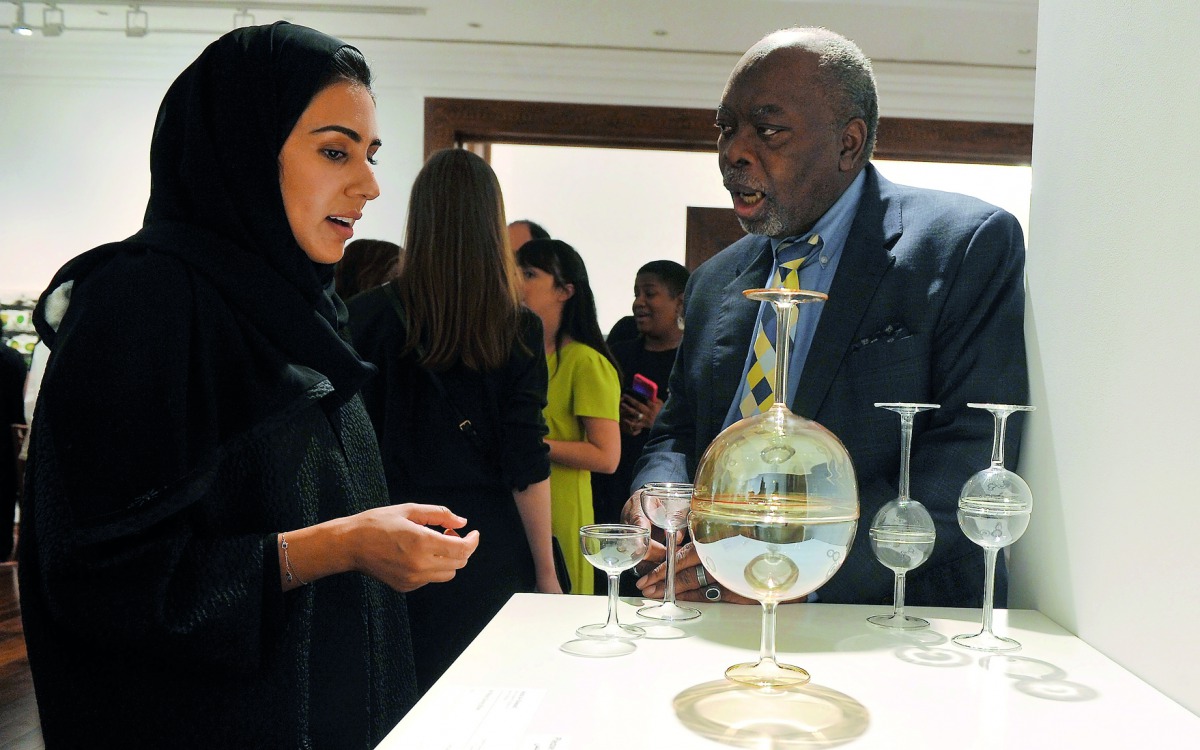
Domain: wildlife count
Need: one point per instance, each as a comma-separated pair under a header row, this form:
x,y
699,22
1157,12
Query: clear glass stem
x,y
906,430
899,595
614,590
766,647
669,596
998,438
785,310
989,586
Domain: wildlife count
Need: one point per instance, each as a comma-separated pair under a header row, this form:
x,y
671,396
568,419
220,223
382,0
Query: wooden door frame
x,y
454,122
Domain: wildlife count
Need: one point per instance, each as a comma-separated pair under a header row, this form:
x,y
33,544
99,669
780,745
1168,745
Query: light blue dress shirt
x,y
834,228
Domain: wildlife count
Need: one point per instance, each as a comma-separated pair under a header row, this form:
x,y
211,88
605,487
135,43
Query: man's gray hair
x,y
845,72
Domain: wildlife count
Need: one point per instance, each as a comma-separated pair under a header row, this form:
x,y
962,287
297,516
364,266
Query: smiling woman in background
x,y
207,532
658,314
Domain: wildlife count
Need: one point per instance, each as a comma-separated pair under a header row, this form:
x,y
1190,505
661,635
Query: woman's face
x,y
542,294
326,169
655,309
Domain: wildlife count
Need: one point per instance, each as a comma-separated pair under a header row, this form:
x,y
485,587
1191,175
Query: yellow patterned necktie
x,y
760,378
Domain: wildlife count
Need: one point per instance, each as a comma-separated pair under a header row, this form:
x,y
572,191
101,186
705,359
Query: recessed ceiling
x,y
985,33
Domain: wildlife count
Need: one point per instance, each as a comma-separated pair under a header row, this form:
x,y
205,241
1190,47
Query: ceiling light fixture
x,y
19,27
243,17
137,22
52,21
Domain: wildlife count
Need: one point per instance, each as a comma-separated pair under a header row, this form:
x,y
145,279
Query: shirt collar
x,y
834,225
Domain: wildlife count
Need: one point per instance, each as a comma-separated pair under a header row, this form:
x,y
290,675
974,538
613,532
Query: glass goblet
x,y
993,511
667,504
611,547
775,505
902,532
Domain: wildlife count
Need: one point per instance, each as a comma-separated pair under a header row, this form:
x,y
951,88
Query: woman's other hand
x,y
638,415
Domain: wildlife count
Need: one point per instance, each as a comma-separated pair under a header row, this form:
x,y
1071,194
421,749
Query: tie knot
x,y
792,254
798,248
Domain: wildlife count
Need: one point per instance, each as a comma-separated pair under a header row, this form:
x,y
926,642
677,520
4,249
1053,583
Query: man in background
x,y
524,230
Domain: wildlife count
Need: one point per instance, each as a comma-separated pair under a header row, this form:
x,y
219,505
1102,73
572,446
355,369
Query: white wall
x,y
1114,336
630,206
77,113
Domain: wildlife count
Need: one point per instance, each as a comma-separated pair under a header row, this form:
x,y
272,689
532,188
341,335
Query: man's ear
x,y
854,142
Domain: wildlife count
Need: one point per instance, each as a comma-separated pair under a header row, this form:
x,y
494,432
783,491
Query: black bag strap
x,y
464,424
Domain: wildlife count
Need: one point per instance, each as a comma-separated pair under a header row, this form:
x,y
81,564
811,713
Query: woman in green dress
x,y
583,396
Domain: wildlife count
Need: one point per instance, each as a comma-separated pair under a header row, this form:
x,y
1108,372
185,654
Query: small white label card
x,y
473,718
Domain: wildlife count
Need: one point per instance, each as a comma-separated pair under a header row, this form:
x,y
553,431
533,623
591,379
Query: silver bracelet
x,y
288,573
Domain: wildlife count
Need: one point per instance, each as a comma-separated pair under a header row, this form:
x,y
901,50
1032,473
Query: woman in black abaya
x,y
208,557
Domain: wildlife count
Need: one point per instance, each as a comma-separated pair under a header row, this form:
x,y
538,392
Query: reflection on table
x,y
871,688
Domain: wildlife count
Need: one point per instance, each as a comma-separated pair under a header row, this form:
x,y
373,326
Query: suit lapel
x,y
736,326
865,260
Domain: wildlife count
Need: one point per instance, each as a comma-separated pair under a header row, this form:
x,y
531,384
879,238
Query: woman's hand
x,y
638,415
395,545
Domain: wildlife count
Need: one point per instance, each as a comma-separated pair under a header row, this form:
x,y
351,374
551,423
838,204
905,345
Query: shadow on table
x,y
744,716
1038,679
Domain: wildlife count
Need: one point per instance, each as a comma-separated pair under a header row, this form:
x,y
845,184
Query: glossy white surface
x,y
909,689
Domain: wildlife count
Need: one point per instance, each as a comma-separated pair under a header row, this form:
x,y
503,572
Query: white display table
x,y
514,688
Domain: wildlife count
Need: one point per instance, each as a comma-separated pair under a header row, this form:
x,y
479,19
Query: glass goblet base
x,y
898,622
610,631
767,673
598,647
668,611
985,641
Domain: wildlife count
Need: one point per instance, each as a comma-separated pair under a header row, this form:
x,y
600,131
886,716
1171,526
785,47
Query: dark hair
x,y
460,284
673,275
365,265
561,261
536,231
348,64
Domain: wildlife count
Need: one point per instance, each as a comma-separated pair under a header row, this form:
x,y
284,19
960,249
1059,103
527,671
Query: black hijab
x,y
256,330
214,160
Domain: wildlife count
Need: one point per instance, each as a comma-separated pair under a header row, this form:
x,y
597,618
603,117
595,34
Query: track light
x,y
52,21
19,27
137,23
242,18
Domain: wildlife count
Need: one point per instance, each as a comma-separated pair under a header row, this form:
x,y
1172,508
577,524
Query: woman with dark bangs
x,y
583,394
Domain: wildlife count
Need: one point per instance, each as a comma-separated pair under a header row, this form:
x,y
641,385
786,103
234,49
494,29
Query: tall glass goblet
x,y
613,547
902,532
775,505
667,504
993,511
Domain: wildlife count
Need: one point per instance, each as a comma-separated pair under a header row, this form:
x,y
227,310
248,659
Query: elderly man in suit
x,y
926,304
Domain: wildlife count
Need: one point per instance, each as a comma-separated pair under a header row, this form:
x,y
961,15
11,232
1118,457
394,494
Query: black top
x,y
12,411
199,398
610,491
428,459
